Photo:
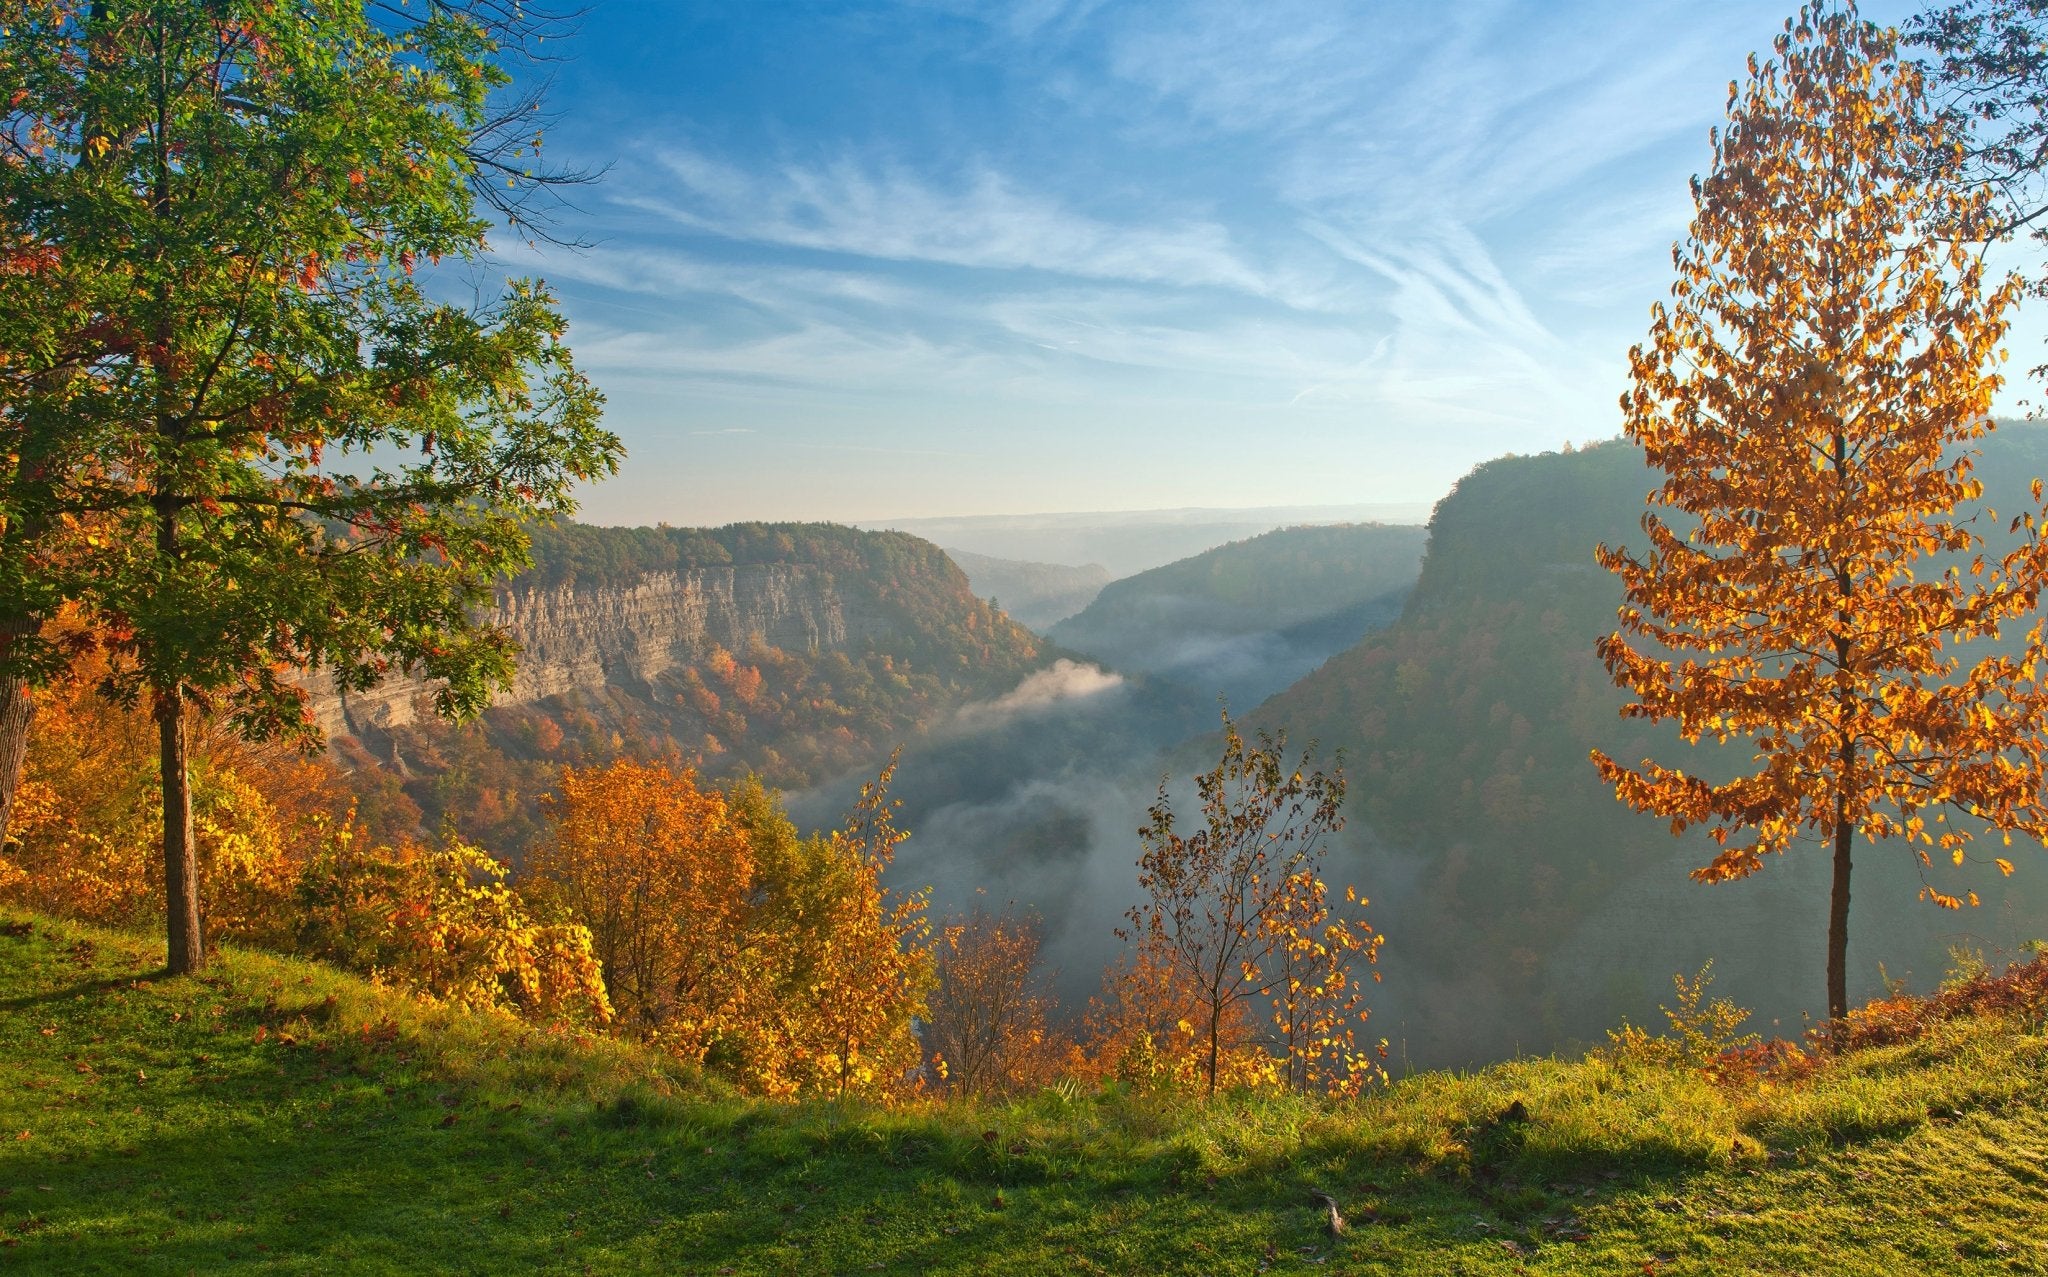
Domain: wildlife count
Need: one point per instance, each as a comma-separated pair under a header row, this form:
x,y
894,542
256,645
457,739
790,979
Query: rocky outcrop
x,y
575,638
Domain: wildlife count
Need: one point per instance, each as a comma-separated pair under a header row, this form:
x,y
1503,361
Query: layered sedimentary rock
x,y
585,637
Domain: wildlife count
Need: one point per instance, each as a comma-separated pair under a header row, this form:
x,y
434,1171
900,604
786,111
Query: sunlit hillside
x,y
277,1116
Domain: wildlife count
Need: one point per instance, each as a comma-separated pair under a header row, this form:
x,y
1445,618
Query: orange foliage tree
x,y
88,809
729,941
1238,909
987,1026
1810,395
848,960
659,872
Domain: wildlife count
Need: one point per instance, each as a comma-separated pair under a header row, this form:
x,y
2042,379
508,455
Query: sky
x,y
863,260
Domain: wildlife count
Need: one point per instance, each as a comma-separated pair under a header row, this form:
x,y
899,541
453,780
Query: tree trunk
x,y
1215,1047
17,707
181,861
1838,922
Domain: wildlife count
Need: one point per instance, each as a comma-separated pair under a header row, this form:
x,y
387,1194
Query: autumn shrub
x,y
84,839
441,922
989,1025
1704,1032
845,963
1140,1031
2020,992
659,872
781,962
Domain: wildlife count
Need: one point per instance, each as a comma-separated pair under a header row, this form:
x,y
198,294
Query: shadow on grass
x,y
73,992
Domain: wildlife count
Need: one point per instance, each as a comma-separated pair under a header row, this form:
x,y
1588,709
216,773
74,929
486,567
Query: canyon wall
x,y
586,637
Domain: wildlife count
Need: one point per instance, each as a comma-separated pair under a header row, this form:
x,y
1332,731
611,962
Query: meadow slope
x,y
278,1116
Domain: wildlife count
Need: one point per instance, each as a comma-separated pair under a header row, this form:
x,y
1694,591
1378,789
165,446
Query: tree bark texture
x,y
187,952
1838,925
17,708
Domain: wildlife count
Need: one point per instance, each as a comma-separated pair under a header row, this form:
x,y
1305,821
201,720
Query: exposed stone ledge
x,y
574,638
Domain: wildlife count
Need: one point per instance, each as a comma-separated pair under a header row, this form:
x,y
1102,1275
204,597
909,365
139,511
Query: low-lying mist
x,y
1035,798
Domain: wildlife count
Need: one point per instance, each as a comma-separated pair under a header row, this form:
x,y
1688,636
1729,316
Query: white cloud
x,y
979,219
1062,682
1147,226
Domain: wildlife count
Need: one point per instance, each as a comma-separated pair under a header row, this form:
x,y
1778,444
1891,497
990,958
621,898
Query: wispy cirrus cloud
x,y
978,218
1415,234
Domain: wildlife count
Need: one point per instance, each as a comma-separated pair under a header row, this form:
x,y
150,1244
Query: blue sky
x,y
861,260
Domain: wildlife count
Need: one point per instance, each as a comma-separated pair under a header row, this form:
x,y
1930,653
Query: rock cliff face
x,y
789,651
585,638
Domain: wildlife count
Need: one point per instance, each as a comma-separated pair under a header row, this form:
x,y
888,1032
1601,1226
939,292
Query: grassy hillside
x,y
275,1115
1507,878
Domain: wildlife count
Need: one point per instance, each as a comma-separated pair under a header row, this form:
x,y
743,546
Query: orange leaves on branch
x,y
987,1029
1238,913
1810,395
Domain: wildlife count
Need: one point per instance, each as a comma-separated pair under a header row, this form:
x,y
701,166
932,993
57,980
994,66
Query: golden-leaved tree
x,y
727,940
1237,912
1810,396
660,872
988,1025
846,960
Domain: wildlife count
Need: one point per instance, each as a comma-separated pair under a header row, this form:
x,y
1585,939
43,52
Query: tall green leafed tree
x,y
241,438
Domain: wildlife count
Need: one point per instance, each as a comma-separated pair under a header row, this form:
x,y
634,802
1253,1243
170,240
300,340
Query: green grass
x,y
278,1115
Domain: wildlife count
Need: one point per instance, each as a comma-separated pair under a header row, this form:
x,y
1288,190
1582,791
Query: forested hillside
x,y
1248,617
1035,594
1524,905
788,650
